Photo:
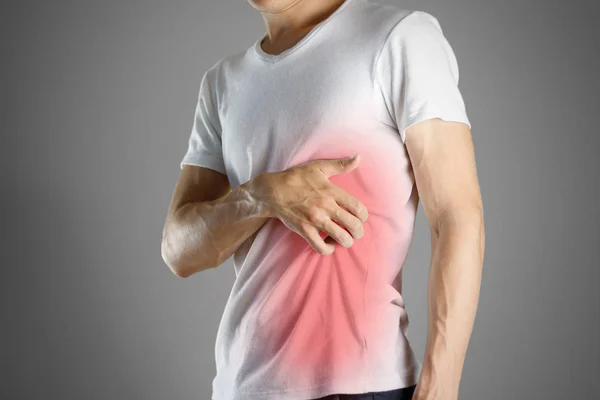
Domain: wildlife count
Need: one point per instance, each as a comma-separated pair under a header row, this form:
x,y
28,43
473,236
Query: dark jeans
x,y
397,394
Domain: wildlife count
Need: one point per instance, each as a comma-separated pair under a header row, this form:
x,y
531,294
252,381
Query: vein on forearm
x,y
453,289
216,228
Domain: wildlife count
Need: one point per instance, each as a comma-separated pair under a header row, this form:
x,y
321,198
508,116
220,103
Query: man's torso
x,y
298,324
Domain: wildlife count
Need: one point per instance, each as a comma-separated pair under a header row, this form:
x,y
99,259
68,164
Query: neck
x,y
288,25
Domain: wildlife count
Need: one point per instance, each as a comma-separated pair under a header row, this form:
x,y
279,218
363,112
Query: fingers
x,y
349,221
323,245
338,166
311,235
326,205
337,233
350,203
323,220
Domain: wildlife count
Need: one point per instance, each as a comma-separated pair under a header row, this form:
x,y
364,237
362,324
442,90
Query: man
x,y
318,238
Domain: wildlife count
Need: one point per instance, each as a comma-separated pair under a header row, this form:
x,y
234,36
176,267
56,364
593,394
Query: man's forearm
x,y
203,235
453,294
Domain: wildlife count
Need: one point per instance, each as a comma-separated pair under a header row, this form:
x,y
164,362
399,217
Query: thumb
x,y
339,165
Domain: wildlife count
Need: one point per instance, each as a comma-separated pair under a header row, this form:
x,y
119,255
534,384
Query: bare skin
x,y
288,21
443,162
207,221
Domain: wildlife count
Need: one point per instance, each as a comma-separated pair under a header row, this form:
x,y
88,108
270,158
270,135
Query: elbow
x,y
178,264
460,218
173,262
465,223
179,271
172,255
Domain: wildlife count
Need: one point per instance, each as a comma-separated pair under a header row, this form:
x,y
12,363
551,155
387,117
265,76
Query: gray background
x,y
97,106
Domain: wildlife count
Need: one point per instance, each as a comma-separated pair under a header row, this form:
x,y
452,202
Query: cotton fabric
x,y
299,325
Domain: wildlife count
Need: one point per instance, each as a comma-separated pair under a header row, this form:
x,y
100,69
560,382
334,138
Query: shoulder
x,y
216,78
391,17
417,37
225,66
390,25
418,25
218,67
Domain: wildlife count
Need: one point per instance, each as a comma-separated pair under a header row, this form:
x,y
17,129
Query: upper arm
x,y
418,73
205,147
203,173
443,161
203,176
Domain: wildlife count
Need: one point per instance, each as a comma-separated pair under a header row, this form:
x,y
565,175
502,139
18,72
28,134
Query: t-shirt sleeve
x,y
204,144
417,73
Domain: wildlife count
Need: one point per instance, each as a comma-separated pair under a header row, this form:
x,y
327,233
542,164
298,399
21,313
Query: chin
x,y
271,5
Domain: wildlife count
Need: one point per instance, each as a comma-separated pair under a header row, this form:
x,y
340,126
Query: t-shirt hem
x,y
352,386
205,160
434,113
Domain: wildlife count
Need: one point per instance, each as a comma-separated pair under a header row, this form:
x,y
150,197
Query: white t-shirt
x,y
299,325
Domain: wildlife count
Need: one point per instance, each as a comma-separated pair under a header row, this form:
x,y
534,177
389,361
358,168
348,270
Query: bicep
x,y
443,161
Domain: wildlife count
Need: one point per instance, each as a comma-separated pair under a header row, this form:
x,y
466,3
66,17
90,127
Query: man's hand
x,y
304,199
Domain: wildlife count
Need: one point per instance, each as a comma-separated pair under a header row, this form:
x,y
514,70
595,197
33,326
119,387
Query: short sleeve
x,y
204,145
417,73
